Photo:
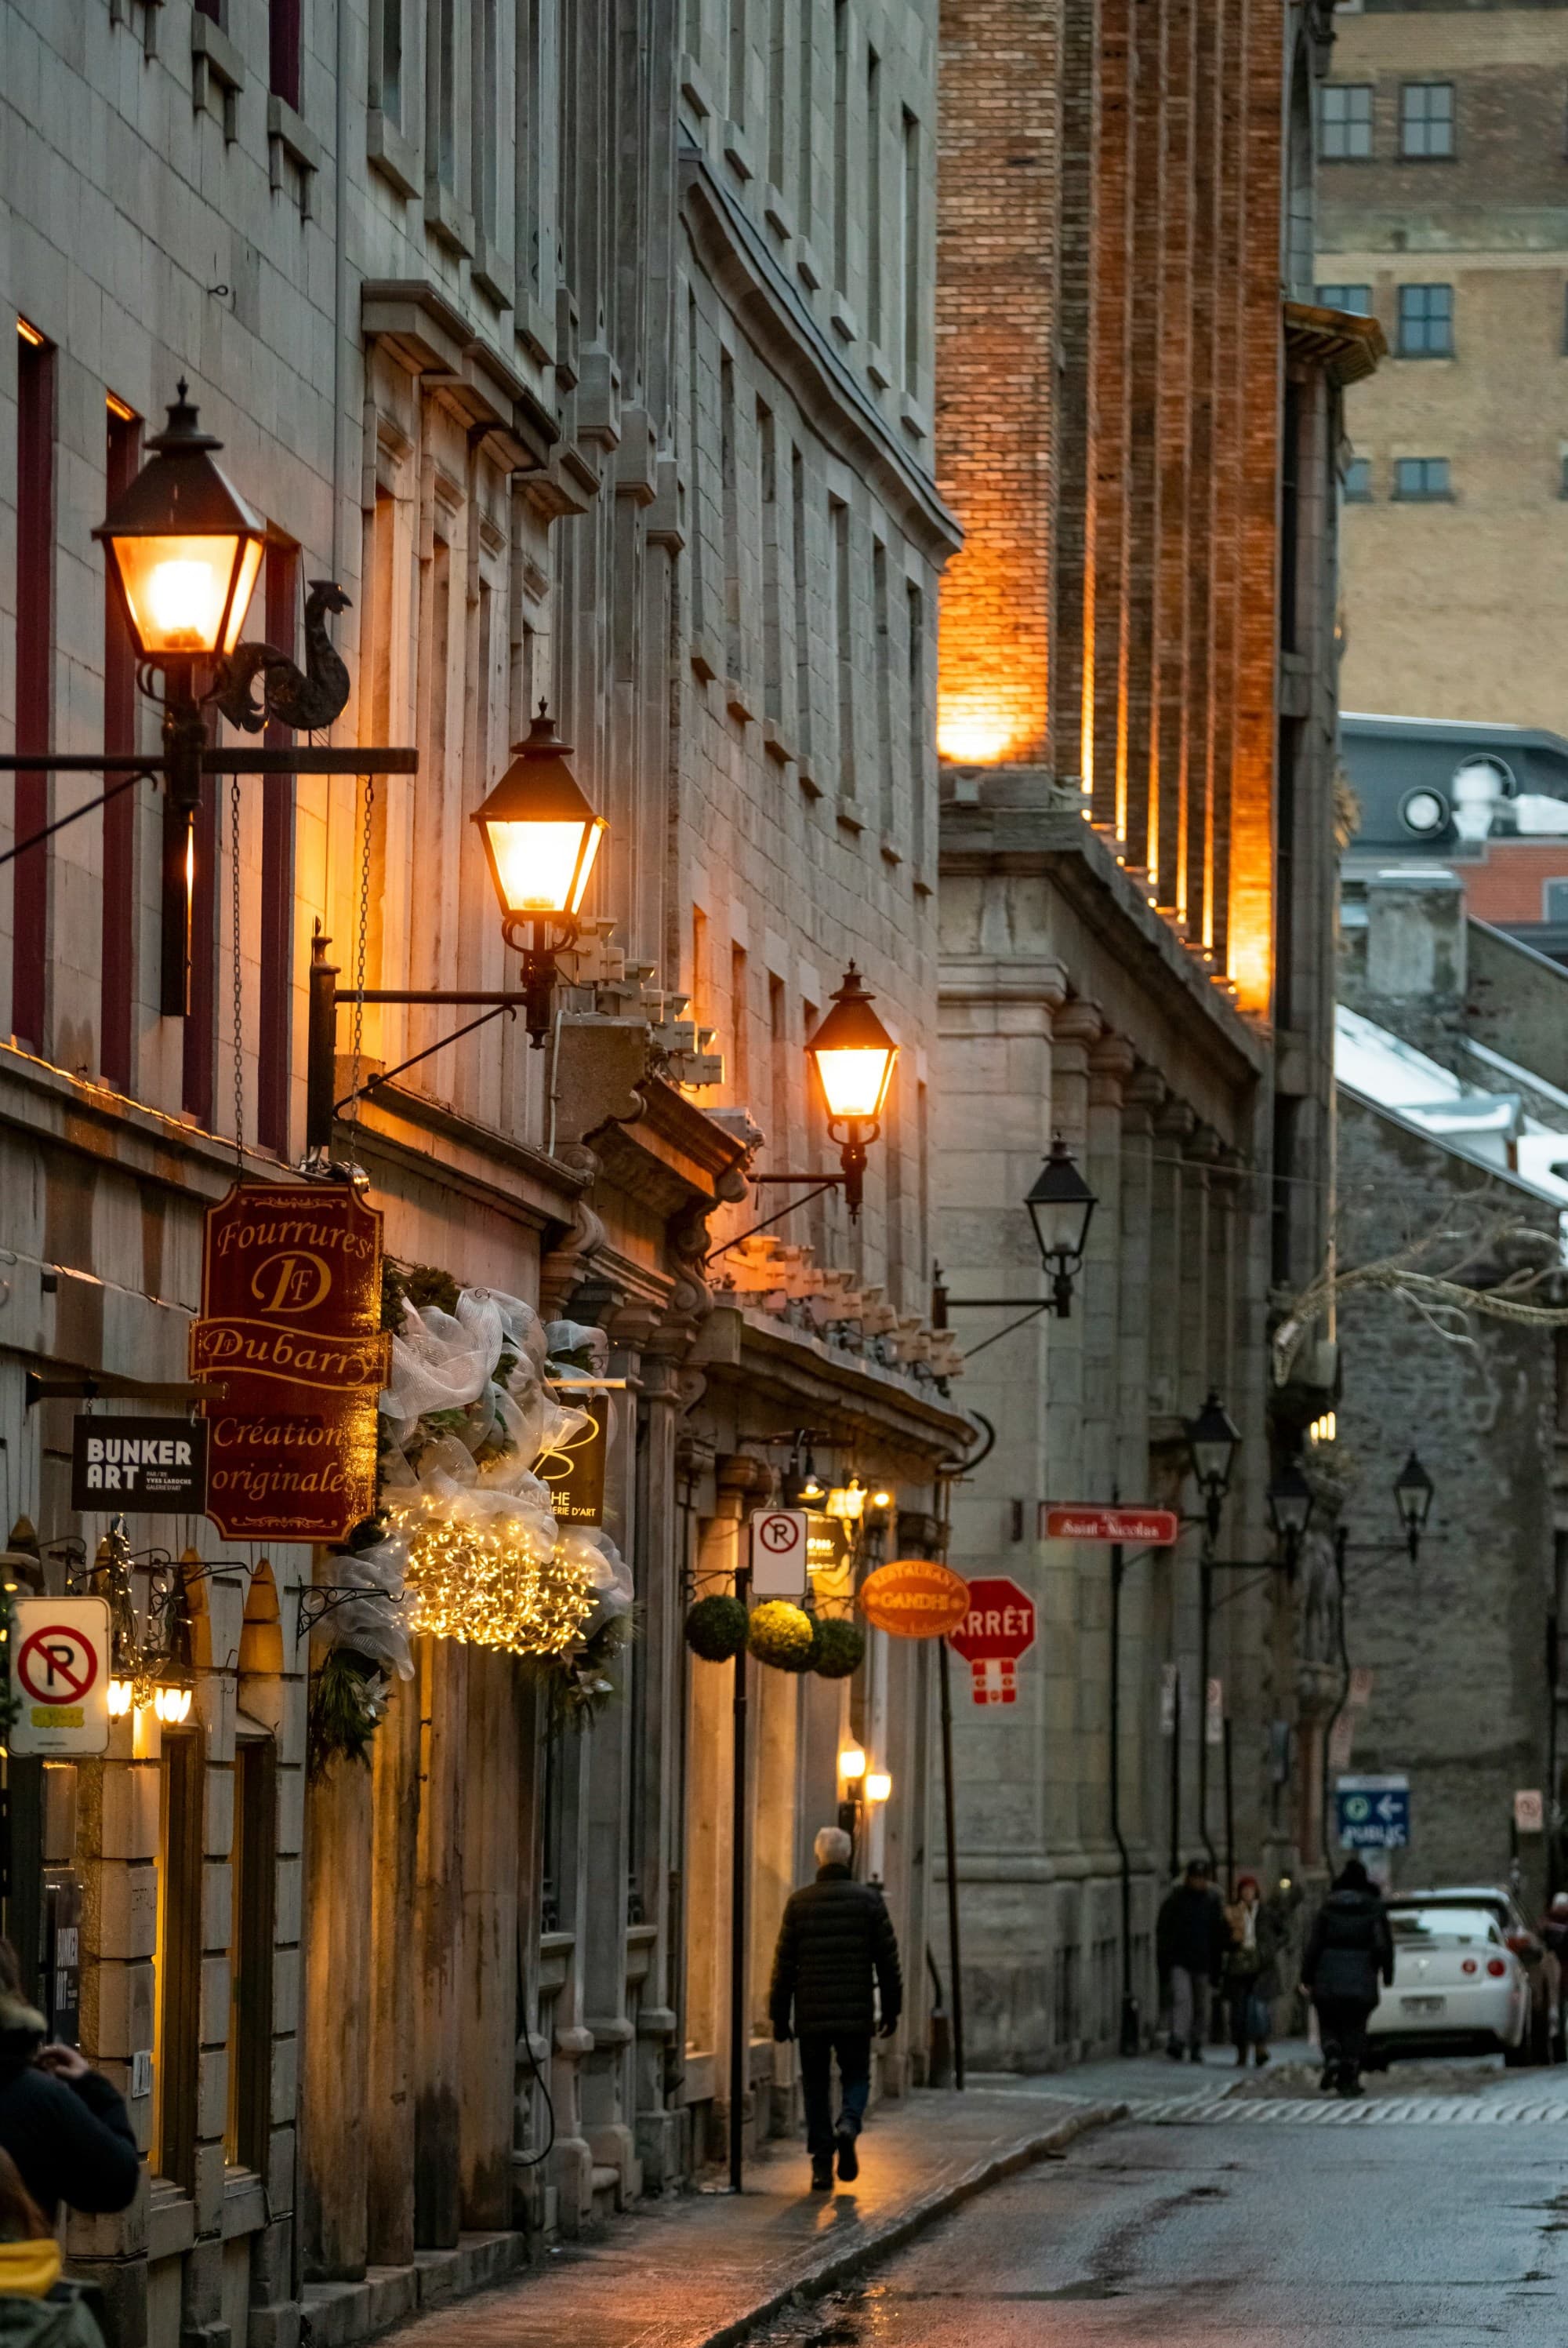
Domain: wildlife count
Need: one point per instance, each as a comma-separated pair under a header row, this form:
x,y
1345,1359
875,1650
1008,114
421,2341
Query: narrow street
x,y
1294,2222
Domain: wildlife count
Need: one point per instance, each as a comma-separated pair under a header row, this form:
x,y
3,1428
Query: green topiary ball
x,y
782,1635
716,1629
839,1648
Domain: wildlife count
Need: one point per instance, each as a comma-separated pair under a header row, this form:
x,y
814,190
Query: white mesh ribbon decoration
x,y
377,1623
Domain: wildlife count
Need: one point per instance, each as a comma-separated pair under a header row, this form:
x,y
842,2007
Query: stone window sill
x,y
288,142
217,73
390,153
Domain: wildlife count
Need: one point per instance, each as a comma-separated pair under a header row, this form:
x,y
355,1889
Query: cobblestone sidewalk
x,y
698,2271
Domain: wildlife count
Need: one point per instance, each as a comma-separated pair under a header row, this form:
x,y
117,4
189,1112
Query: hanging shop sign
x,y
915,1598
574,1470
291,1328
60,1677
138,1467
997,1628
826,1543
1141,1528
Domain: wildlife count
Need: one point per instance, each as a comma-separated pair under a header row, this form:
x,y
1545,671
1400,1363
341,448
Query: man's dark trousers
x,y
853,2048
1342,2026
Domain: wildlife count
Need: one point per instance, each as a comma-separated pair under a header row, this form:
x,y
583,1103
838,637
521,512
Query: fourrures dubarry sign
x,y
290,1327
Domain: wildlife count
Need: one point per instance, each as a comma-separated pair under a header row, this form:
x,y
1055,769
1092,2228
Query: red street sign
x,y
1148,1527
56,1664
997,1629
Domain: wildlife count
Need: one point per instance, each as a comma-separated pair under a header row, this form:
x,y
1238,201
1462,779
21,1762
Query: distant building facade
x,y
1443,210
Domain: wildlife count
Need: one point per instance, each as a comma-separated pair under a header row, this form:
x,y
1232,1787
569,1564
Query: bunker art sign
x,y
290,1327
131,1466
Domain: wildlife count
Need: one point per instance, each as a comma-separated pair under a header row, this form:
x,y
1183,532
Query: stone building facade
x,y
1442,214
592,354
1136,712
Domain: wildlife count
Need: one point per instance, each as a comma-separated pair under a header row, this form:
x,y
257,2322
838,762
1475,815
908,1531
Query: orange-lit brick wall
x,y
1109,369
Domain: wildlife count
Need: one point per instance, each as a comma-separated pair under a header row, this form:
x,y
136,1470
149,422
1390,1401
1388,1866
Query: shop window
x,y
252,1918
1344,125
176,2051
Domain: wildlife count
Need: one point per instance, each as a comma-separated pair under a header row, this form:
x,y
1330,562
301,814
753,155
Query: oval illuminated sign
x,y
915,1598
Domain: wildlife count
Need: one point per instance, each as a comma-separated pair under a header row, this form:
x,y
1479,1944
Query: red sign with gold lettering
x,y
291,1328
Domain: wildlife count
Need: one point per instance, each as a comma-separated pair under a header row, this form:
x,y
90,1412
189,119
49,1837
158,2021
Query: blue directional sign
x,y
1373,1813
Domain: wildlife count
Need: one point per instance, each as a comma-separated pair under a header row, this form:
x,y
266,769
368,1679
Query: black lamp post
x,y
1413,1498
1061,1208
1212,1442
1290,1506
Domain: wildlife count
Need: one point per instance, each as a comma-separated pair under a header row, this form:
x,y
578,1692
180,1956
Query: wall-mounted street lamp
x,y
1061,1207
1212,1442
1413,1498
853,1056
1290,1506
879,1785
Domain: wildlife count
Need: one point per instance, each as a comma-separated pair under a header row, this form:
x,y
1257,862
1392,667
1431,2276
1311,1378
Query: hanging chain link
x,y
359,950
239,990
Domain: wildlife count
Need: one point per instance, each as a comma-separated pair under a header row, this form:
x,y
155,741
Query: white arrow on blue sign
x,y
1373,1813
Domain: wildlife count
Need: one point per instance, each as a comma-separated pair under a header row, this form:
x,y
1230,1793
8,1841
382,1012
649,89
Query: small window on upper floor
x,y
1355,298
1418,479
1427,122
1555,903
1562,474
1357,484
1344,125
1426,321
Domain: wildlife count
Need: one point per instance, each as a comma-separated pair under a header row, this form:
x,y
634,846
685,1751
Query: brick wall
x,y
1109,372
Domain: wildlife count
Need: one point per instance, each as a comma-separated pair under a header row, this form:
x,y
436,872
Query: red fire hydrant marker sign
x,y
997,1629
60,1676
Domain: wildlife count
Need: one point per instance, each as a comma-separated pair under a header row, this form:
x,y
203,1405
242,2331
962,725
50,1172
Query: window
x,y
1427,120
1554,901
1426,321
34,672
1422,477
247,2131
1358,299
1346,124
277,959
117,964
286,44
176,2051
1358,481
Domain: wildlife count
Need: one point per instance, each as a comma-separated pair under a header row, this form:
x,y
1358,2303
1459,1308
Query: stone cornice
x,y
803,1377
801,354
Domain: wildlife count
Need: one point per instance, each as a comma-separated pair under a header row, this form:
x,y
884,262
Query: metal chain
x,y
239,1003
359,961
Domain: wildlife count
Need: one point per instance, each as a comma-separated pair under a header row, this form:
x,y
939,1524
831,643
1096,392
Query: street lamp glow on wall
x,y
878,1785
852,1765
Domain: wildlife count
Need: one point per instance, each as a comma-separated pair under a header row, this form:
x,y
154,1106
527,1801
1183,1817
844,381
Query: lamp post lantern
x,y
1212,1442
1413,1498
1290,1506
853,1055
541,838
1061,1208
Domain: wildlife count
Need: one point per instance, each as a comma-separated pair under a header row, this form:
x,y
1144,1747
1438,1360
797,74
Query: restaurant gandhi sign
x,y
290,1327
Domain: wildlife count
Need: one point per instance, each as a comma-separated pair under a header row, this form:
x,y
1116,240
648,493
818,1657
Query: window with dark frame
x,y
253,1875
178,2049
1345,124
275,1025
34,671
117,988
1357,482
1418,478
1357,299
1427,122
286,49
1562,474
1426,321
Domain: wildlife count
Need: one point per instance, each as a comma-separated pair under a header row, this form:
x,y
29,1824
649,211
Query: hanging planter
x,y
782,1635
716,1629
839,1648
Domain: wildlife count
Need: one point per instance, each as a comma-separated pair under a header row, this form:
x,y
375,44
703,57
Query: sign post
x,y
1373,1813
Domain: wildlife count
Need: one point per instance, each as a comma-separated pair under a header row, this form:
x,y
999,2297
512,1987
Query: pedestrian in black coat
x,y
1349,1951
1190,1943
836,1944
63,2123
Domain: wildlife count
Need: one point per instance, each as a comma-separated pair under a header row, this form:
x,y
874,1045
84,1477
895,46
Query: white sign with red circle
x,y
779,1553
59,1675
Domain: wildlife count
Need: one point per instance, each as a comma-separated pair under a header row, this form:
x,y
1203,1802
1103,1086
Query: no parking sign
x,y
60,1675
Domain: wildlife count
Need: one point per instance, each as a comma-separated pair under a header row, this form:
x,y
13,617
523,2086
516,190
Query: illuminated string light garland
x,y
497,1584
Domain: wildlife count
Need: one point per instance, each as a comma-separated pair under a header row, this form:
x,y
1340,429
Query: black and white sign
x,y
779,1553
129,1467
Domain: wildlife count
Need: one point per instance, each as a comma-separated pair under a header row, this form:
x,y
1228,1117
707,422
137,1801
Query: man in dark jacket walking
x,y
1348,1949
836,1940
1191,1941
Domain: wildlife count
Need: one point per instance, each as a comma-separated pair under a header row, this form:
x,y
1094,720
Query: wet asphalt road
x,y
1291,2236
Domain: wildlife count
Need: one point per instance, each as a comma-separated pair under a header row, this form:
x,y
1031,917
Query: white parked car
x,y
1459,1988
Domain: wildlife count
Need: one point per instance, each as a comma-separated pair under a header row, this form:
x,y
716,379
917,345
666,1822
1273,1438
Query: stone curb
x,y
837,2266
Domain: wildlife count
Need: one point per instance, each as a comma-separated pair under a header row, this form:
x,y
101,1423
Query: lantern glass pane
x,y
177,590
543,868
1059,1223
855,1083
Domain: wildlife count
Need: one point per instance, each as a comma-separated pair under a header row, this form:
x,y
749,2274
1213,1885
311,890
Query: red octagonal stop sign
x,y
997,1629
